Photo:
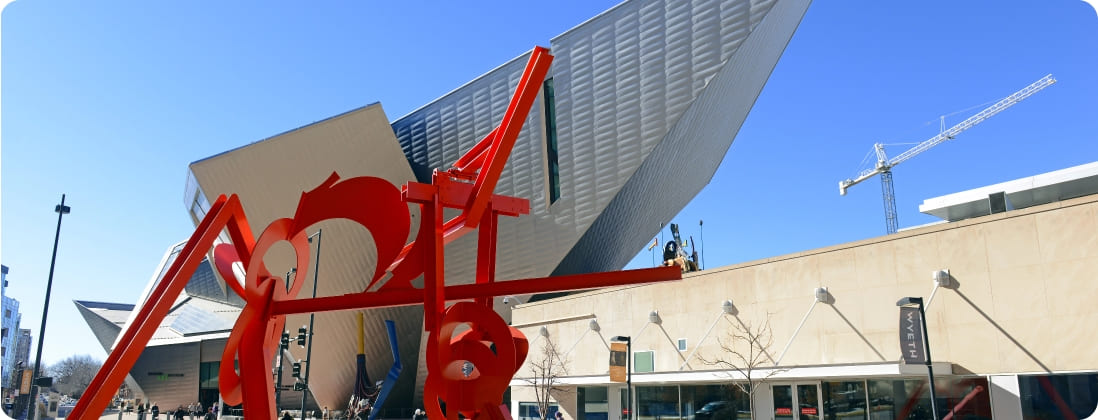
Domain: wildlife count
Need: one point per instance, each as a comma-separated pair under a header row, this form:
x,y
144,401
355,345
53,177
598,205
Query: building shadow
x,y
855,329
956,288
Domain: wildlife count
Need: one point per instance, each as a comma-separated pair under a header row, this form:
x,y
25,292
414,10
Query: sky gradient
x,y
109,103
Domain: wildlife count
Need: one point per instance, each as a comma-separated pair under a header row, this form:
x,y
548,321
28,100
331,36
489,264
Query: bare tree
x,y
72,375
547,368
744,351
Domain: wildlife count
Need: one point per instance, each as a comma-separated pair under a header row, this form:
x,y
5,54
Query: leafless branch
x,y
744,350
547,368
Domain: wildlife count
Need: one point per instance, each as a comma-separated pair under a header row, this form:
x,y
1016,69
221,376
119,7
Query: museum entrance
x,y
796,401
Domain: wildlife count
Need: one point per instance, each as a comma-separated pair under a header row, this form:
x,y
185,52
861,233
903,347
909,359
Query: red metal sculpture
x,y
495,350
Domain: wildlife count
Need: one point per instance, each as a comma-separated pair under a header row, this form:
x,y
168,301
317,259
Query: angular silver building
x,y
634,94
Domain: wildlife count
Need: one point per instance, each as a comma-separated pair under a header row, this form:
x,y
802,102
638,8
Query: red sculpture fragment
x,y
494,349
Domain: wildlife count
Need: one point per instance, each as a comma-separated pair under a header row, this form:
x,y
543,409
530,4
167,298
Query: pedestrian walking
x,y
190,410
210,414
141,411
155,411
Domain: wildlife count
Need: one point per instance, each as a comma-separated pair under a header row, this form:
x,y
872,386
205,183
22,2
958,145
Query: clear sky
x,y
109,101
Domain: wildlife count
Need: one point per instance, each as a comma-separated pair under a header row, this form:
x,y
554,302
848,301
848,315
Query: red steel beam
x,y
101,389
496,157
472,291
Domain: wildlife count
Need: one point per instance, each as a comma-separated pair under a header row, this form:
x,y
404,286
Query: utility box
x,y
51,407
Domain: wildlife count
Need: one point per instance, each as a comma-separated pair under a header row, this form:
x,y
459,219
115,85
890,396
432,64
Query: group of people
x,y
192,410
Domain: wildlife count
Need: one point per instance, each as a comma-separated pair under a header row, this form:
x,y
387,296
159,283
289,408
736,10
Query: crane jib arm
x,y
948,134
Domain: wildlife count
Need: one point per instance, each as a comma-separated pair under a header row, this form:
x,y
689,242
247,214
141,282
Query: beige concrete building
x,y
1010,314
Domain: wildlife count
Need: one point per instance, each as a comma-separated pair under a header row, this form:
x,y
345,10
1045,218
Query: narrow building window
x,y
552,168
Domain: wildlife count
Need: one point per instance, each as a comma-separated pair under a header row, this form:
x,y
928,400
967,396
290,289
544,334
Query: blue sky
x,y
109,102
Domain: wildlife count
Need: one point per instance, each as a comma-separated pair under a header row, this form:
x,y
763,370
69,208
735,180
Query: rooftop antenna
x,y
701,233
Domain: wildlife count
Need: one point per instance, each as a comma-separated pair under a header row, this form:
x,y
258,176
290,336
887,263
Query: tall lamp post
x,y
912,303
628,371
61,210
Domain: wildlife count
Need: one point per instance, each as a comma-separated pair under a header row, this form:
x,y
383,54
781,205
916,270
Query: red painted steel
x,y
382,209
102,387
507,132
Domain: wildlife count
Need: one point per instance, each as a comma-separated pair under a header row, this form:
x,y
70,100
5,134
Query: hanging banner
x,y
25,387
618,358
911,336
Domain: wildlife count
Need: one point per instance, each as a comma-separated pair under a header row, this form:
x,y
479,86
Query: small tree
x,y
744,350
73,375
546,370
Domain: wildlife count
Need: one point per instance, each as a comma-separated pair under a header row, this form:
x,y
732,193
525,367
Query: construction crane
x,y
884,164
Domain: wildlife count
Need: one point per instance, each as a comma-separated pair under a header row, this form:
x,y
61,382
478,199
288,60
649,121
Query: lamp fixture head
x,y
728,307
942,278
511,300
910,301
654,317
594,325
821,294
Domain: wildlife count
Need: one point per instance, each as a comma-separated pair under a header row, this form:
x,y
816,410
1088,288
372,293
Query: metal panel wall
x,y
682,163
166,390
623,81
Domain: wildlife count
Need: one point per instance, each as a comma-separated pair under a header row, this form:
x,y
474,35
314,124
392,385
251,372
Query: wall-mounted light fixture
x,y
942,278
728,307
594,325
654,317
511,300
821,294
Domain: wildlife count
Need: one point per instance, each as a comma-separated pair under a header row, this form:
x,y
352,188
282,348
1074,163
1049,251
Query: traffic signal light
x,y
298,386
297,370
301,334
285,338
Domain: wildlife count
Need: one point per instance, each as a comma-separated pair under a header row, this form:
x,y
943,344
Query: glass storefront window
x,y
783,402
657,402
882,398
964,398
529,411
207,374
961,398
1055,397
593,403
714,402
844,400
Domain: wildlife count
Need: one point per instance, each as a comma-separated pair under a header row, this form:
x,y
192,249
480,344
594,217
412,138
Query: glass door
x,y
796,401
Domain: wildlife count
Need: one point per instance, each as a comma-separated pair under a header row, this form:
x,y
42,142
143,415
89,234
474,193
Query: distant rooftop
x,y
1050,187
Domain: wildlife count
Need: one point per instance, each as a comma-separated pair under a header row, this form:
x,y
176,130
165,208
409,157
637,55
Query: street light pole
x,y
918,301
61,210
309,350
628,371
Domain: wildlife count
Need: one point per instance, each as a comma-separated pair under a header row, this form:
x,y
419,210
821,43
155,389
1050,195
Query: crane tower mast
x,y
884,164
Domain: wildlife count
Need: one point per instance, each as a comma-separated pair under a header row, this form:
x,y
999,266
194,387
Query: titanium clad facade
x,y
658,84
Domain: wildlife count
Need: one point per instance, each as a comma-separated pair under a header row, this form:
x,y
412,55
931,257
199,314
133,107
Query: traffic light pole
x,y
309,349
278,382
